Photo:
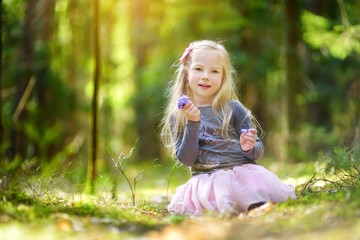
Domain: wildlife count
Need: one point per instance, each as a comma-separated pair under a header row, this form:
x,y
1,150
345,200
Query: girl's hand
x,y
192,113
248,140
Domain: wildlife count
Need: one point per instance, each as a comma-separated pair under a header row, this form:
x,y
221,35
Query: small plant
x,y
8,172
174,165
339,170
104,190
120,163
41,186
345,164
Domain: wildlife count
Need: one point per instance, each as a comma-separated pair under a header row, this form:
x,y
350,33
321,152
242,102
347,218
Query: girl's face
x,y
205,76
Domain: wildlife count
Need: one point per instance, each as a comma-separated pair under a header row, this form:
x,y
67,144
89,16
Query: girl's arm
x,y
187,147
243,120
256,151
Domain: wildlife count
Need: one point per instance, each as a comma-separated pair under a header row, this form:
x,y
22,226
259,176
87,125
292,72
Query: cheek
x,y
191,78
218,86
219,81
191,82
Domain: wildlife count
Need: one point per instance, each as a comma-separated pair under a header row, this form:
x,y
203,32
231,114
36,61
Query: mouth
x,y
204,86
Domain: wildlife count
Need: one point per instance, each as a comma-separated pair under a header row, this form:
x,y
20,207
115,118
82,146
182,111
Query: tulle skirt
x,y
229,191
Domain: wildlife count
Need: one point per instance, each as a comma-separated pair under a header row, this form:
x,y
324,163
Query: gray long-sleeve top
x,y
202,147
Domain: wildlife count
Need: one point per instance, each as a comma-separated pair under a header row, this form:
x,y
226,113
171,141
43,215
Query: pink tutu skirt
x,y
229,191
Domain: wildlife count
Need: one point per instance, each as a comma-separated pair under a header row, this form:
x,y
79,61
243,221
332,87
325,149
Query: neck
x,y
203,102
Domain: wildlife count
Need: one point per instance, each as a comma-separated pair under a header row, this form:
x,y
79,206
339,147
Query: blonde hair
x,y
174,121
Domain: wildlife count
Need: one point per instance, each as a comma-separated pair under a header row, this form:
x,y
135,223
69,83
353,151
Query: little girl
x,y
211,131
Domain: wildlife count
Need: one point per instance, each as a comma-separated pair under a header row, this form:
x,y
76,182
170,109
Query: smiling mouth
x,y
204,85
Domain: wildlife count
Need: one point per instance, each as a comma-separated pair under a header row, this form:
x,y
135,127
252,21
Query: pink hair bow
x,y
186,53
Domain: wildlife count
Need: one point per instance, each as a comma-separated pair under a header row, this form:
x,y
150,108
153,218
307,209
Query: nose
x,y
205,75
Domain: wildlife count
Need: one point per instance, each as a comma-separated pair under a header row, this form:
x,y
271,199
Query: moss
x,y
311,213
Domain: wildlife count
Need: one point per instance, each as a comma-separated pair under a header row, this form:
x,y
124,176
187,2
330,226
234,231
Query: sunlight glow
x,y
339,39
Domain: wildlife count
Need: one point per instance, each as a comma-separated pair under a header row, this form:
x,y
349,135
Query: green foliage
x,y
120,163
345,161
173,167
105,189
40,187
340,40
137,219
177,218
8,170
76,215
354,197
339,171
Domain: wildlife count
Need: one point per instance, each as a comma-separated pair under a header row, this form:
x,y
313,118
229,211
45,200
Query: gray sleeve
x,y
242,119
187,147
257,152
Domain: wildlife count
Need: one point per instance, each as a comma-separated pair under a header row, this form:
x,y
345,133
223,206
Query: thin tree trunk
x,y
294,70
18,138
94,117
1,59
294,84
45,15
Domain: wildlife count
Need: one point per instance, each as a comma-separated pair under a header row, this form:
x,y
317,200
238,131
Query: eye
x,y
215,71
197,69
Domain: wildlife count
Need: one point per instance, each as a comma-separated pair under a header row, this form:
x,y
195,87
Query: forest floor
x,y
332,213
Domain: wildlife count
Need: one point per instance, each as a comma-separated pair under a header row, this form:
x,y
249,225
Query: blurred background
x,y
81,79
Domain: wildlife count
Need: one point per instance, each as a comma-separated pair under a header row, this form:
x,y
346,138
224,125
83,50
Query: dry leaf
x,y
64,225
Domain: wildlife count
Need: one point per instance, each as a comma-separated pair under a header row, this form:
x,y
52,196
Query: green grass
x,y
58,214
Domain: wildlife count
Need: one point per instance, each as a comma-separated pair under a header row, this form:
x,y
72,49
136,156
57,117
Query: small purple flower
x,y
244,130
182,101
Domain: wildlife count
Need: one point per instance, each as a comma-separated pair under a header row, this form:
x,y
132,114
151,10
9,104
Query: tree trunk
x,y
1,59
45,16
294,75
294,69
95,102
18,138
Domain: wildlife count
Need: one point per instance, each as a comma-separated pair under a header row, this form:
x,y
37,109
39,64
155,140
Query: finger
x,y
251,139
186,106
252,130
191,108
194,110
248,136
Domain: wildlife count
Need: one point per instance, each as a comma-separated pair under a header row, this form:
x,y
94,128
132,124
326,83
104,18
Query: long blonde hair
x,y
174,121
